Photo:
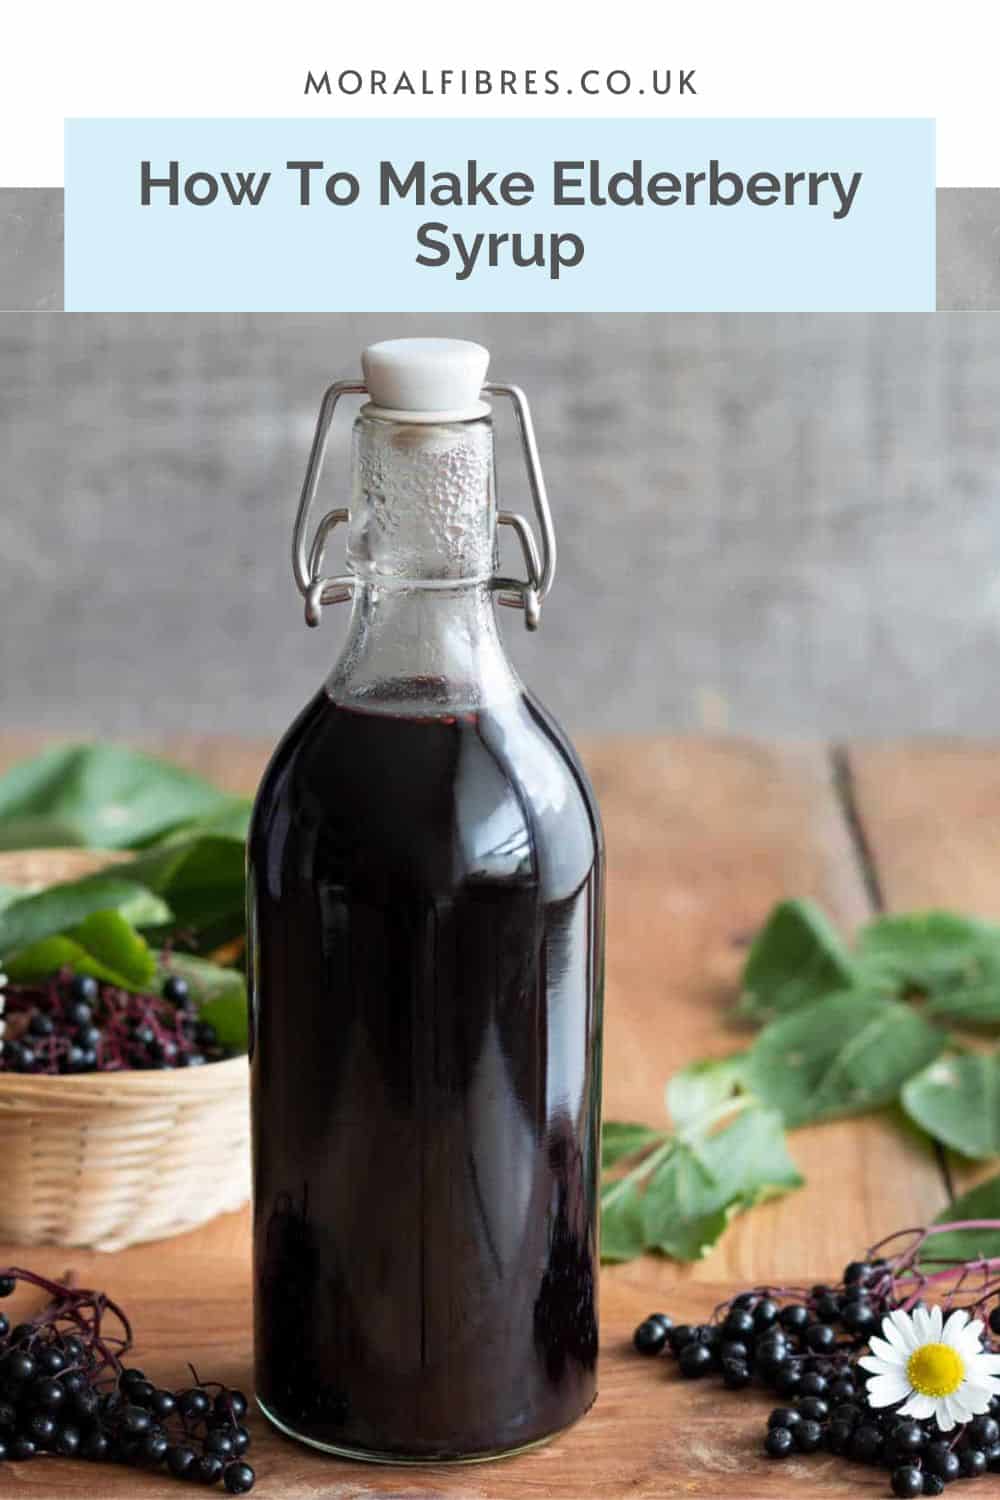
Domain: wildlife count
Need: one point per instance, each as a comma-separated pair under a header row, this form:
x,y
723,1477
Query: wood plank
x,y
650,1433
703,837
930,812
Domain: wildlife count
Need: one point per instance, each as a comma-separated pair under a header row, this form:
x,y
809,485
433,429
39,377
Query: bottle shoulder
x,y
496,792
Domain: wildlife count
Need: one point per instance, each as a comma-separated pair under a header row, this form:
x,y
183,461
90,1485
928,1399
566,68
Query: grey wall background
x,y
768,524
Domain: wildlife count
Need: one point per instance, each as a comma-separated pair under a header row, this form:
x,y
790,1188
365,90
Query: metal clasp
x,y
319,589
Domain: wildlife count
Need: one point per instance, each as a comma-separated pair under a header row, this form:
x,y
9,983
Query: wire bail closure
x,y
308,557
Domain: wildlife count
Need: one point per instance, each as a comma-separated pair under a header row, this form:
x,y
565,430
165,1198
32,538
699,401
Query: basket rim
x,y
226,1076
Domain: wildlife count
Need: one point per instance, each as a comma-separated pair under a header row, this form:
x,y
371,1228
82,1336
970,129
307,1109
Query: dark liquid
x,y
426,1081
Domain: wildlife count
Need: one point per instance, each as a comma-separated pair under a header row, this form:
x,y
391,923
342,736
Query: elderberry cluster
x,y
804,1346
64,1391
72,1024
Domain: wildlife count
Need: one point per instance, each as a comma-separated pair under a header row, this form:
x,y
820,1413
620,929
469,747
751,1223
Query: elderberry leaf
x,y
105,945
975,1000
201,879
701,1087
229,821
749,1158
701,1185
846,1053
101,796
621,1223
695,1185
955,1246
932,952
59,908
9,894
957,1101
620,1140
796,958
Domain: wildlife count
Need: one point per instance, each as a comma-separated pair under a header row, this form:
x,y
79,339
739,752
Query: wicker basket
x,y
109,1160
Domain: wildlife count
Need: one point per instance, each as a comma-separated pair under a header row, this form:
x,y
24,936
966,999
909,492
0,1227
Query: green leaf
x,y
796,958
620,1141
621,1223
929,951
846,1053
59,908
11,893
201,879
701,1185
145,909
957,1100
957,1245
684,1208
702,1087
230,821
694,1186
749,1158
974,1000
103,796
104,945
694,1237
221,994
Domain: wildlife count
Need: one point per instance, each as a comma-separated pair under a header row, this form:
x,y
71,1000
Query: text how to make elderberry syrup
x,y
573,184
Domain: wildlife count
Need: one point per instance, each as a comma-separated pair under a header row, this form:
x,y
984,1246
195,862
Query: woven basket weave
x,y
108,1160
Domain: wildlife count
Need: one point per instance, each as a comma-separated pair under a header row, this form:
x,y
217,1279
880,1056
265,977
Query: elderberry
x,y
695,1360
650,1337
238,1478
807,1436
907,1481
808,1346
972,1462
65,1390
71,1024
779,1442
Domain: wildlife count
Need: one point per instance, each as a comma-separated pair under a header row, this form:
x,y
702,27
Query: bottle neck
x,y
423,636
418,648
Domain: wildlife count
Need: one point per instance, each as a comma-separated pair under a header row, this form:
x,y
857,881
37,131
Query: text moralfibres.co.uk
x,y
496,83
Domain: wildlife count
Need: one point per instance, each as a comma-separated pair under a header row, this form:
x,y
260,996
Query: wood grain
x,y
930,814
703,836
650,1434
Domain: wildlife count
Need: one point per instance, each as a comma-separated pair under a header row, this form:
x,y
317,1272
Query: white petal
x,y
923,1325
888,1352
972,1397
987,1363
886,1390
936,1319
954,1328
898,1329
946,1418
974,1332
918,1406
881,1366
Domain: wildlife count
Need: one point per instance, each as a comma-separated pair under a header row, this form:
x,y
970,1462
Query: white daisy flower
x,y
939,1369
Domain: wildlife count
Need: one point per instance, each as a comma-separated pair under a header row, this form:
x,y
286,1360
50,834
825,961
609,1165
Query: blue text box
x,y
282,256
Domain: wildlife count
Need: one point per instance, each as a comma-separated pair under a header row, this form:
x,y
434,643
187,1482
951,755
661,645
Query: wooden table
x,y
703,836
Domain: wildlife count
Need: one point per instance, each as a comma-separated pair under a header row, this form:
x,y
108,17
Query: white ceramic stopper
x,y
426,380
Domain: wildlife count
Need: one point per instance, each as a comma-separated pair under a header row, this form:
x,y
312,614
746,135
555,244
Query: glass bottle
x,y
426,920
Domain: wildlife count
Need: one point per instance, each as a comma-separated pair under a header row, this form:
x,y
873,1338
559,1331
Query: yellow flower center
x,y
935,1370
